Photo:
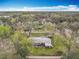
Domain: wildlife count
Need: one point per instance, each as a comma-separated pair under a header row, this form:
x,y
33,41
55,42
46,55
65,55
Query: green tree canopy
x,y
5,31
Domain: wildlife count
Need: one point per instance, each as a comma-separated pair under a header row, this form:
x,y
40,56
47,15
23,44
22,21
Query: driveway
x,y
44,57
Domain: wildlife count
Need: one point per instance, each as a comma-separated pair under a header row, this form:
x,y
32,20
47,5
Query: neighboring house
x,y
41,41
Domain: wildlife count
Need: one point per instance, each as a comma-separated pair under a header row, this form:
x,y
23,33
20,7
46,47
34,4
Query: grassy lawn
x,y
38,34
57,49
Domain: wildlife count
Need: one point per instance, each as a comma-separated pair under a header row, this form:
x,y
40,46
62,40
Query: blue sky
x,y
39,5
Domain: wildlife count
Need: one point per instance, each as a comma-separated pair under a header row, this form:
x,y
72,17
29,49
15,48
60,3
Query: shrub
x,y
71,55
58,53
9,56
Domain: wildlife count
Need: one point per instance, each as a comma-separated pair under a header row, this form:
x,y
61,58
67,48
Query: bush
x,y
10,56
58,53
71,55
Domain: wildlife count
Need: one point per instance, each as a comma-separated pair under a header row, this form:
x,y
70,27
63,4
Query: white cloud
x,y
52,8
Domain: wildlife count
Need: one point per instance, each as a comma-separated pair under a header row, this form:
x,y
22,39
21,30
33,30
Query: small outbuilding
x,y
41,41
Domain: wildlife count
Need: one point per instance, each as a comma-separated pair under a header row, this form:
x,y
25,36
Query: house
x,y
41,41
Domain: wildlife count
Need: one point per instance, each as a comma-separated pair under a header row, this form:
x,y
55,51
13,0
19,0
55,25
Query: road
x,y
44,57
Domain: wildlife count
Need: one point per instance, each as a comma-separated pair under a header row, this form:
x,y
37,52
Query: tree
x,y
5,31
20,44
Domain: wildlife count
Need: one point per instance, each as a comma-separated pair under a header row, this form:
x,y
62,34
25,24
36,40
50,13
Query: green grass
x,y
58,47
38,34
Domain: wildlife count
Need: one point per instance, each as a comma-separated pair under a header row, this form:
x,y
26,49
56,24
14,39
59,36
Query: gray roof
x,y
45,40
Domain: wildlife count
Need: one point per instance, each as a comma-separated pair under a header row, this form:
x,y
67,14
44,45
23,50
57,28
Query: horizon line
x,y
50,8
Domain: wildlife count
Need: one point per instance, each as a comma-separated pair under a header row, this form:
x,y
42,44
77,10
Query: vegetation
x,y
71,55
15,31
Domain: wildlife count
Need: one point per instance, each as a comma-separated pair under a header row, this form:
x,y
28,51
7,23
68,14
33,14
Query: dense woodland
x,y
17,28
